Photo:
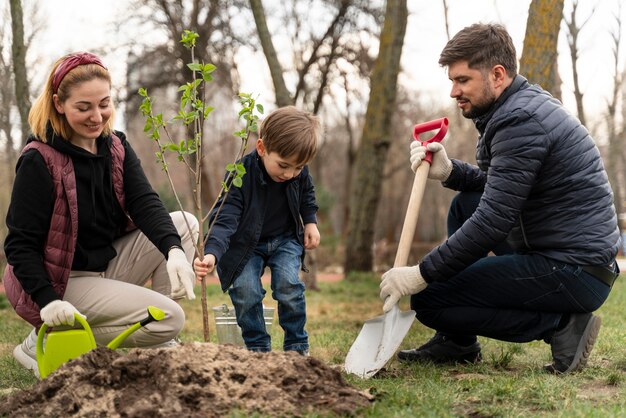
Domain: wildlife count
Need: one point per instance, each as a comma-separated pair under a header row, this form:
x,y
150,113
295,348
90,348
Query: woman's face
x,y
87,109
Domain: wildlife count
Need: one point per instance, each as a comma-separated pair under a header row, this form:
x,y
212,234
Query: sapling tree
x,y
191,116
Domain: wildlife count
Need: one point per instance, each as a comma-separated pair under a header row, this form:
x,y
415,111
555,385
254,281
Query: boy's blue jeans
x,y
282,256
510,297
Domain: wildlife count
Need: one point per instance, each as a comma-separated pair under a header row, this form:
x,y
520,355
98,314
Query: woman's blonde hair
x,y
291,132
43,110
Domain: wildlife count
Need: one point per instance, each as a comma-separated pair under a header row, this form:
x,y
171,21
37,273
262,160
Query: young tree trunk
x,y
375,140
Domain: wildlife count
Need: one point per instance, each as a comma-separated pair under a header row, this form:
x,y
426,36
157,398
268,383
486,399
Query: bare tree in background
x,y
539,57
573,30
375,141
18,53
315,52
283,98
446,20
616,161
7,98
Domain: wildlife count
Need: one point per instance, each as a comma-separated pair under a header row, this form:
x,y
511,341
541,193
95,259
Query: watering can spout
x,y
154,314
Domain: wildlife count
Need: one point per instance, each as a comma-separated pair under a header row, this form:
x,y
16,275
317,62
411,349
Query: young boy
x,y
269,221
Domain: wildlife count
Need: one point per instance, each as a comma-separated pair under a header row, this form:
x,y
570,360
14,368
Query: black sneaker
x,y
572,345
440,349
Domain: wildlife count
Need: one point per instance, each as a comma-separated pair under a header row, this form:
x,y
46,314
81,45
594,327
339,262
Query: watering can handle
x,y
441,123
44,327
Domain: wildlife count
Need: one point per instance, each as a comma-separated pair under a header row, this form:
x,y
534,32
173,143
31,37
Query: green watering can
x,y
65,345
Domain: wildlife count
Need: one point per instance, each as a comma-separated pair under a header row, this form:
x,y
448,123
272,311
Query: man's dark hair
x,y
482,46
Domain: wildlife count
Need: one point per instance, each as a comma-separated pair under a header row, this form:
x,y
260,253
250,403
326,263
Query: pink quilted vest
x,y
61,241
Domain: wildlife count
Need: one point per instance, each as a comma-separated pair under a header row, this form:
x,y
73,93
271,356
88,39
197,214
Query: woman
x,y
86,230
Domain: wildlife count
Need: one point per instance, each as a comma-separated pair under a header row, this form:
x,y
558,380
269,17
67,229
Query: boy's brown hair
x,y
290,132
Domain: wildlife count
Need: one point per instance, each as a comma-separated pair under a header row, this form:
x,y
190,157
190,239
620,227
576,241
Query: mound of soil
x,y
192,380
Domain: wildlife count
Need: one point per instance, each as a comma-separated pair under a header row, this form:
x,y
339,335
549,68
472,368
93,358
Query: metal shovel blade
x,y
377,342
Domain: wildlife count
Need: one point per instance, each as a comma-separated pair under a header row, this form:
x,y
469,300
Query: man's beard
x,y
482,105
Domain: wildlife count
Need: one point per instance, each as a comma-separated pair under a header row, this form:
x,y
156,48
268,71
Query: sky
x,y
71,26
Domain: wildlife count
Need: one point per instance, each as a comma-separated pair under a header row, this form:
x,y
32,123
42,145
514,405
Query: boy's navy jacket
x,y
237,230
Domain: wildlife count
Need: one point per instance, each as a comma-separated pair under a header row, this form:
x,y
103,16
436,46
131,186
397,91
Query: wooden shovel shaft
x,y
412,213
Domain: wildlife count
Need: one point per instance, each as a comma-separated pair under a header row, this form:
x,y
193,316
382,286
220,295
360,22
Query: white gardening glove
x,y
182,276
59,312
398,282
441,166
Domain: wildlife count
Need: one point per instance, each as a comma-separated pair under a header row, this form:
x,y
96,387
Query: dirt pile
x,y
192,380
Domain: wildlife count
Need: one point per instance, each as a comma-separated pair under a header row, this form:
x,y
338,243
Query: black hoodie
x,y
100,217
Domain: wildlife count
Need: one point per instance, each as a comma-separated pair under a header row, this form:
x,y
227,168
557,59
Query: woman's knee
x,y
169,327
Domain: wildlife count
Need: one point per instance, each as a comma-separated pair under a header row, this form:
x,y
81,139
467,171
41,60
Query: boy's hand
x,y
311,236
204,266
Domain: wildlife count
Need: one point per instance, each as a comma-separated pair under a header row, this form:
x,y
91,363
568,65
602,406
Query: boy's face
x,y
279,168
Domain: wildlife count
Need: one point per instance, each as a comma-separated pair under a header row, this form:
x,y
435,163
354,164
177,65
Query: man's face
x,y
473,89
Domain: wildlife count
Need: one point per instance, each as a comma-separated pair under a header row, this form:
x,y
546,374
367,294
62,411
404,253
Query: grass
x,y
508,383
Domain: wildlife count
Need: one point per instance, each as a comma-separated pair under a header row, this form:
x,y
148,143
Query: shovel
x,y
380,337
65,345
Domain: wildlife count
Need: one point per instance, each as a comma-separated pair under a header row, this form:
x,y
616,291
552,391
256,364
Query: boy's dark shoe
x,y
440,349
572,345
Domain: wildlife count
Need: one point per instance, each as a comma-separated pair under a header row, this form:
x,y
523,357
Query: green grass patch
x,y
509,382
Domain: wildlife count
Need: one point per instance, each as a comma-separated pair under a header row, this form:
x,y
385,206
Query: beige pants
x,y
116,298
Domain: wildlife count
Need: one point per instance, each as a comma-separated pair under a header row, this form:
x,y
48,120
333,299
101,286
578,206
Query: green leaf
x,y
241,170
188,38
230,167
237,182
259,108
194,66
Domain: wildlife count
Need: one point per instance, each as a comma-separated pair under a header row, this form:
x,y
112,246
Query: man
x,y
539,200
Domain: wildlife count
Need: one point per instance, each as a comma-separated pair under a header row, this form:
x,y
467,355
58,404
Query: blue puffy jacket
x,y
237,230
544,187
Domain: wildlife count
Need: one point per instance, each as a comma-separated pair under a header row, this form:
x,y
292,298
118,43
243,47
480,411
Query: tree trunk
x,y
539,57
283,98
18,53
375,140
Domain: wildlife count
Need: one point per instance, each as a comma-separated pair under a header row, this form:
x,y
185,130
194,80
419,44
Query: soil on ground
x,y
191,380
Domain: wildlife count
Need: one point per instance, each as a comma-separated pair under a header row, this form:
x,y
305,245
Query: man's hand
x,y
204,266
59,312
441,166
398,282
181,274
311,236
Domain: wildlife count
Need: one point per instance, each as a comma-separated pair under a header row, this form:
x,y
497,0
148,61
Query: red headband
x,y
71,62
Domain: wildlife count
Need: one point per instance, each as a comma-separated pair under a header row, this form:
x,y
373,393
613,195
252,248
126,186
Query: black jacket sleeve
x,y
144,205
28,221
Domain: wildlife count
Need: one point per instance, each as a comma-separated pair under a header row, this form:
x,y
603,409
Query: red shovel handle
x,y
441,124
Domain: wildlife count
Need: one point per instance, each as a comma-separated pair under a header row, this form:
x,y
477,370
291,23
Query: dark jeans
x,y
509,297
282,256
